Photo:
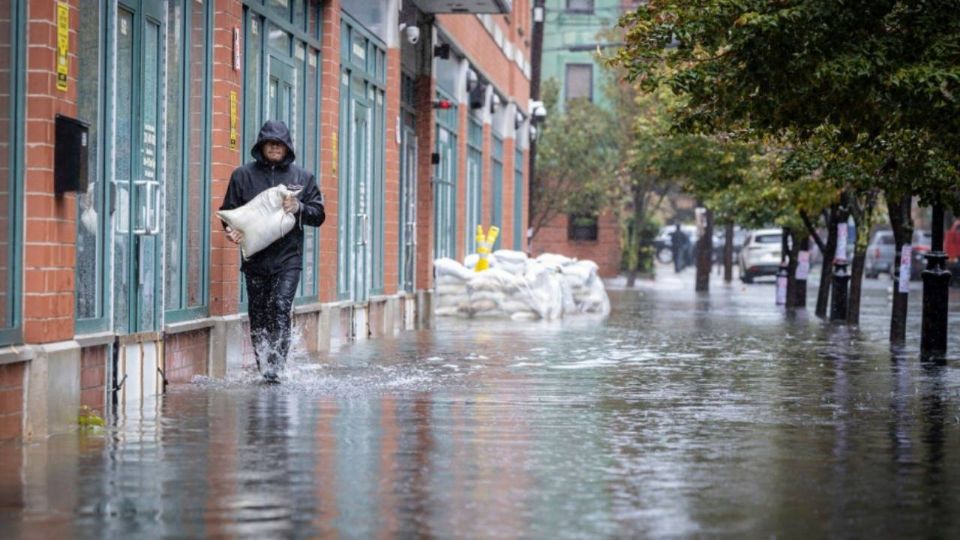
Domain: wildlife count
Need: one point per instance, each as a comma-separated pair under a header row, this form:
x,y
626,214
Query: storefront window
x,y
187,160
90,211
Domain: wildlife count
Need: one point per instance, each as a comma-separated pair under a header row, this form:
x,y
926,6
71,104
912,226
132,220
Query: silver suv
x,y
880,254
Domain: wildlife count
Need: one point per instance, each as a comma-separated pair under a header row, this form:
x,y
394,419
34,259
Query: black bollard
x,y
936,281
839,291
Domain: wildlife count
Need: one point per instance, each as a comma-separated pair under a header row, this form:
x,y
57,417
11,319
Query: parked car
x,y
760,255
880,254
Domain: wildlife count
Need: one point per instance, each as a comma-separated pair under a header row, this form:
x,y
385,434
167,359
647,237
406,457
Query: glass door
x,y
408,207
137,184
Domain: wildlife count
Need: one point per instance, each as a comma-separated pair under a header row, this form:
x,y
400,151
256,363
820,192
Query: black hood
x,y
274,130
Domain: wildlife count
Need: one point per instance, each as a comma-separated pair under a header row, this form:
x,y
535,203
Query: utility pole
x,y
536,56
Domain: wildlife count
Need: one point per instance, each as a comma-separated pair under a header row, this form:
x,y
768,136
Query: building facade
x,y
122,120
572,33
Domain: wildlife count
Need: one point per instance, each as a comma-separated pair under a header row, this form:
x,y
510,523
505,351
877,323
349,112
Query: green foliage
x,y
871,84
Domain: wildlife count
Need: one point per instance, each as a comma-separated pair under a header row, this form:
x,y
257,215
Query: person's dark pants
x,y
270,307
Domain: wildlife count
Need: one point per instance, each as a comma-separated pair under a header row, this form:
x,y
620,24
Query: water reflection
x,y
681,415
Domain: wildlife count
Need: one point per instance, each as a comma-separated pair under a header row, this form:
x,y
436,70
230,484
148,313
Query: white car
x,y
760,255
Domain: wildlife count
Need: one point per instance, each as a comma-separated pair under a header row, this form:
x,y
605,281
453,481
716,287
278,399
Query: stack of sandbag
x,y
548,287
512,261
586,287
451,292
487,293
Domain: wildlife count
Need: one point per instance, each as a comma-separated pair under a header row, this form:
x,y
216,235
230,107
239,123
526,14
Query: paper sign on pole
x,y
841,242
906,257
803,265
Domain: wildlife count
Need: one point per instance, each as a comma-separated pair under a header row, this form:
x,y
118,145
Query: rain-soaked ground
x,y
679,416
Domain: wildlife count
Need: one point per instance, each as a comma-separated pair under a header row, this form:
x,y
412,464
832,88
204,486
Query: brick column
x,y
463,134
507,231
391,218
329,174
50,225
224,256
426,122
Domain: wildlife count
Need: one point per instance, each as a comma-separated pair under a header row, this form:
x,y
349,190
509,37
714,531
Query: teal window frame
x,y
408,126
496,173
304,23
474,201
370,66
183,312
519,231
103,295
12,333
445,189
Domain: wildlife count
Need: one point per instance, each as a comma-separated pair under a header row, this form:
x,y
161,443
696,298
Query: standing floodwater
x,y
681,415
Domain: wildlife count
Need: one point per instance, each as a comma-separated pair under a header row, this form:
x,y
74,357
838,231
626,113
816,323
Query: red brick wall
x,y
426,88
185,355
391,221
224,256
479,46
50,229
329,153
11,401
93,377
605,251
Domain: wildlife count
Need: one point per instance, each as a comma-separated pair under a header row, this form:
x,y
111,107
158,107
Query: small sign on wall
x,y
63,45
234,120
236,49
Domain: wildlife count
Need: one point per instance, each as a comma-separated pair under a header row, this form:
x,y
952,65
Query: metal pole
x,y
536,56
936,280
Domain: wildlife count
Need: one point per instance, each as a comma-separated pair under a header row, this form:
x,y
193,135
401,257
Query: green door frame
x,y
474,202
138,225
445,181
361,168
12,333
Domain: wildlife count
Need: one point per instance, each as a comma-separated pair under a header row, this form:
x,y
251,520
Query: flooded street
x,y
679,416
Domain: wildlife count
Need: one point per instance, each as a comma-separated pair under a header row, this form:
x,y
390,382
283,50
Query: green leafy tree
x,y
577,159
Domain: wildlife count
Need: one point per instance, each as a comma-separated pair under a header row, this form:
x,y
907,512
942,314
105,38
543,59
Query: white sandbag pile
x,y
548,287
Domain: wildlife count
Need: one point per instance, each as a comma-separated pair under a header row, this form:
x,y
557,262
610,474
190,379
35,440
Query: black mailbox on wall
x,y
70,155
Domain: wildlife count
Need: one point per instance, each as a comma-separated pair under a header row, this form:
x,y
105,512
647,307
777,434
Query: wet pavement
x,y
679,416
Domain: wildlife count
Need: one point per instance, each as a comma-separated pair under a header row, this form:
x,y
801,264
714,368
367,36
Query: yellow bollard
x,y
484,244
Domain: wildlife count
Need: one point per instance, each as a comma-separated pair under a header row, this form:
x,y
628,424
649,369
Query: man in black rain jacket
x,y
272,275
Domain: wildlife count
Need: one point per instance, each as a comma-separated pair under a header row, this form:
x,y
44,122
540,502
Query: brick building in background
x,y
413,116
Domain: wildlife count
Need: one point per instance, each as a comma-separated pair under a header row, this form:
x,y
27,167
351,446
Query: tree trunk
x,y
900,222
826,272
705,255
728,253
864,222
633,236
793,251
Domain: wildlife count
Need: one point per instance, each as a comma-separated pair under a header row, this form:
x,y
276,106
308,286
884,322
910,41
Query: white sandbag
x,y
524,316
580,273
492,279
552,259
514,262
449,289
262,220
445,267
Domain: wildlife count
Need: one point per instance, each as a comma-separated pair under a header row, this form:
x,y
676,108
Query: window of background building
x,y
578,81
581,227
11,43
580,6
